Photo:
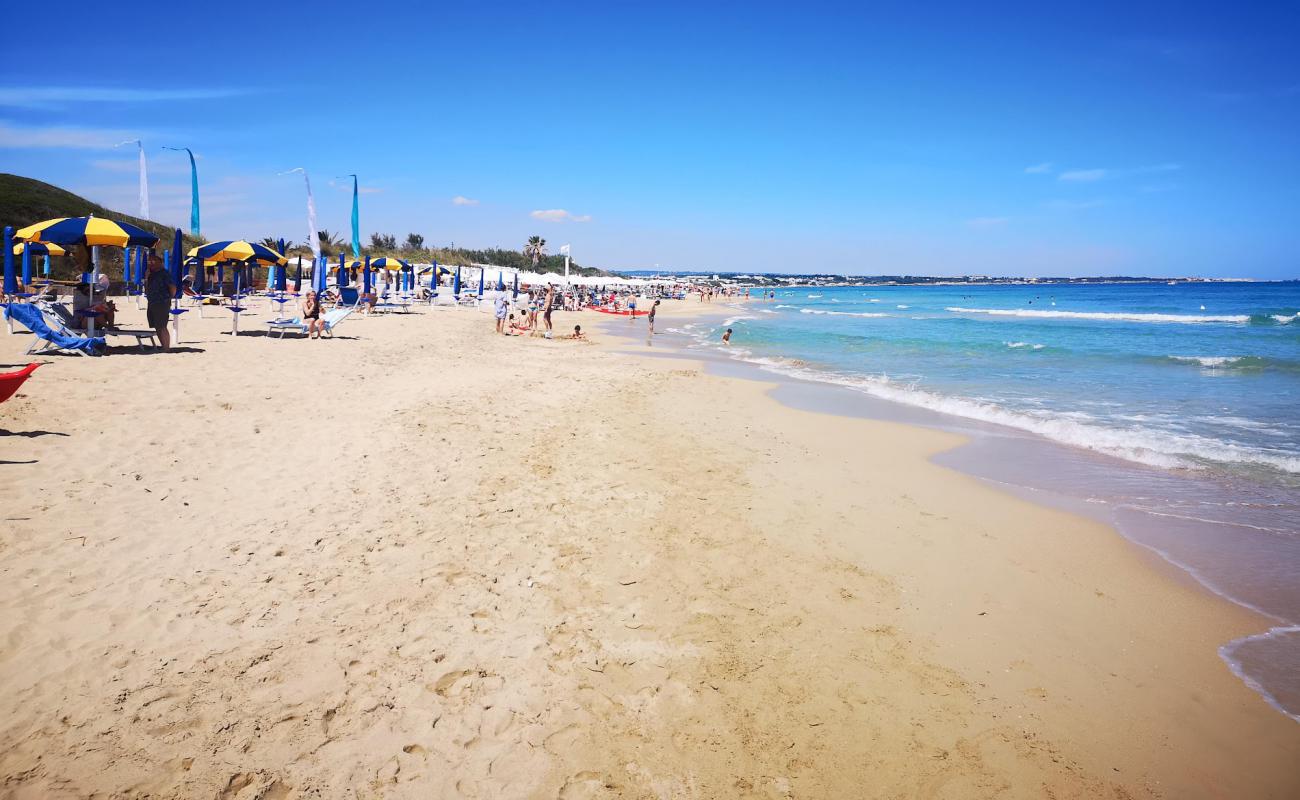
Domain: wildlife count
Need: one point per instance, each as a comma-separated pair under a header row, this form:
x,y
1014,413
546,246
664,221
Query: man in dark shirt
x,y
159,290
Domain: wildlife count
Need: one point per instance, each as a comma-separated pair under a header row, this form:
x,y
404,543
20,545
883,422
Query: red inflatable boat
x,y
10,381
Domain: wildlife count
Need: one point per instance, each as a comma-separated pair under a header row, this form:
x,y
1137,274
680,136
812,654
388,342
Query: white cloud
x,y
1083,175
987,222
559,215
54,96
1039,169
460,200
16,137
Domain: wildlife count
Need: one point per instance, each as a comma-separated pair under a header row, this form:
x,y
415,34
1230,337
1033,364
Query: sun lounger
x,y
51,339
64,317
332,319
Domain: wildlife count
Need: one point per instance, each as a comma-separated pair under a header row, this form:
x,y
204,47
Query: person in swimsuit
x,y
726,337
546,312
651,317
311,316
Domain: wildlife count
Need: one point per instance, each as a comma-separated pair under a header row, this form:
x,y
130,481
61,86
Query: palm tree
x,y
329,242
535,249
274,244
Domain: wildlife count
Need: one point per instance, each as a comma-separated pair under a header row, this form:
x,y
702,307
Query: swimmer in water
x,y
726,337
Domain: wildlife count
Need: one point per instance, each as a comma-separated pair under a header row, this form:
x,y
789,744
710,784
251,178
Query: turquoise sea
x,y
1169,410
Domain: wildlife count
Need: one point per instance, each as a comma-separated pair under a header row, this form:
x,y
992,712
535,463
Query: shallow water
x,y
1168,411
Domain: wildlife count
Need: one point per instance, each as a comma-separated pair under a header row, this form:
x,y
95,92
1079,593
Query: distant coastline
x,y
821,279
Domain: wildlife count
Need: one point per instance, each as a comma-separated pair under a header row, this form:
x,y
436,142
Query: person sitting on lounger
x,y
311,316
81,302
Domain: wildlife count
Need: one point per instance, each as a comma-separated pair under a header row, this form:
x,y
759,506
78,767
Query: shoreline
x,y
988,445
618,576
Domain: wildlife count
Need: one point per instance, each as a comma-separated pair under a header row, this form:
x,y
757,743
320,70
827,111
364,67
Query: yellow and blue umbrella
x,y
90,231
389,263
39,249
238,250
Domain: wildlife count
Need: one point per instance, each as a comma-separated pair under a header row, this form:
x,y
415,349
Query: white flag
x,y
313,240
144,185
144,178
564,250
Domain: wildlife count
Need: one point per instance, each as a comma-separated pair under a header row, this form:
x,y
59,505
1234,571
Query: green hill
x,y
24,201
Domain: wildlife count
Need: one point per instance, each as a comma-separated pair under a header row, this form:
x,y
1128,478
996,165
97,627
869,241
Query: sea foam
x,y
840,313
1110,316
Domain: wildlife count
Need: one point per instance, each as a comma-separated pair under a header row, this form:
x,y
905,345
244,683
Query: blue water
x,y
1174,408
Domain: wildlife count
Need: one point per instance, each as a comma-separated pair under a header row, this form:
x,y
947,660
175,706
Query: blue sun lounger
x,y
48,340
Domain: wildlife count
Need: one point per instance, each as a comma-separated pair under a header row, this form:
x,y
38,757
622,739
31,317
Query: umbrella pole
x,y
94,278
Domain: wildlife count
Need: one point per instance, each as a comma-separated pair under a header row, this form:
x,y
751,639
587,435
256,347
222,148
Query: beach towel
x,y
32,319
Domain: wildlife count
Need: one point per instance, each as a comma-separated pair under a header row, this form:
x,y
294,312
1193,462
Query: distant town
x,y
778,280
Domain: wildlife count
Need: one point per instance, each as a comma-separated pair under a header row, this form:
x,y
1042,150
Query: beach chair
x,y
332,320
64,317
50,339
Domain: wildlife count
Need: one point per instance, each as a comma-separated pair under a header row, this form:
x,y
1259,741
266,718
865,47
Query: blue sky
x,y
1020,139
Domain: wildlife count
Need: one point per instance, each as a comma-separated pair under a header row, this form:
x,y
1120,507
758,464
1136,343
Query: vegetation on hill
x,y
414,249
24,201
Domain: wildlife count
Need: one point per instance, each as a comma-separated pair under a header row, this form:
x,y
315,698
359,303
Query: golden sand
x,y
424,561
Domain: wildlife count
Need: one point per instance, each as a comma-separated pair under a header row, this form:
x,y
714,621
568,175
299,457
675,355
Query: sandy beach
x,y
421,560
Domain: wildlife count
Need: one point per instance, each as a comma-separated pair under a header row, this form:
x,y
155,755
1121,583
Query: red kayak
x,y
10,381
621,313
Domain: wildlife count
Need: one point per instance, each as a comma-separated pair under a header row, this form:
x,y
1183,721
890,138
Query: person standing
x,y
159,291
631,308
651,317
546,310
501,305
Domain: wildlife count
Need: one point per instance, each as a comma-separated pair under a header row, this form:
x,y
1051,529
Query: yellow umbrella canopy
x,y
90,231
39,249
237,250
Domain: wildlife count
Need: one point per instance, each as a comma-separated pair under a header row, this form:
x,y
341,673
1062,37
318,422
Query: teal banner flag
x,y
194,191
356,221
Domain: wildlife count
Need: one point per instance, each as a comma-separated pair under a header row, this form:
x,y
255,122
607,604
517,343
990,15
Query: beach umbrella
x,y
389,263
516,295
40,249
89,231
11,280
177,263
343,272
319,279
482,279
297,281
366,279
455,285
281,273
501,281
238,250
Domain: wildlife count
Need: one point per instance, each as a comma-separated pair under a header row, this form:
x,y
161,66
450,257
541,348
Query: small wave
x,y
1139,444
1110,316
814,296
904,306
729,321
779,306
1283,319
1030,345
873,300
766,311
1209,361
840,313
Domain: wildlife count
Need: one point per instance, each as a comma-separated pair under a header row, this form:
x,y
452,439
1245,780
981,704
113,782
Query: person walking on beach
x,y
159,290
546,310
501,305
651,317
